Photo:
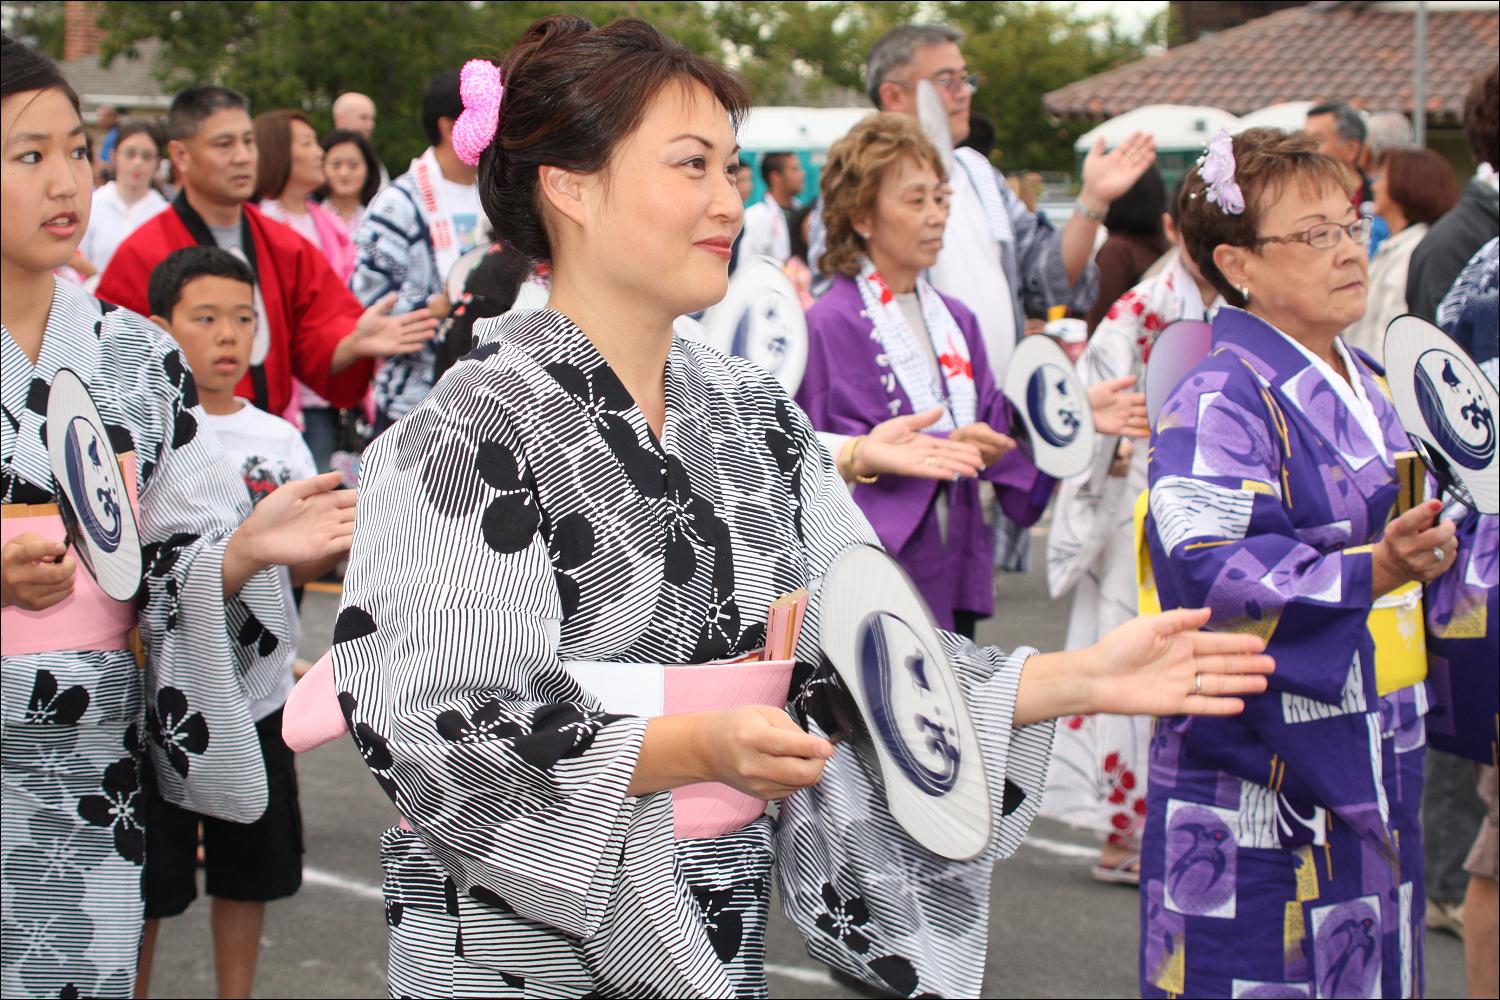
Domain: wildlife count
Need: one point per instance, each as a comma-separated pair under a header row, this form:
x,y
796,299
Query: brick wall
x,y
83,36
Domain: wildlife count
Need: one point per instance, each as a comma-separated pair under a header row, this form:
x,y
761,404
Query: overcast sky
x,y
1132,15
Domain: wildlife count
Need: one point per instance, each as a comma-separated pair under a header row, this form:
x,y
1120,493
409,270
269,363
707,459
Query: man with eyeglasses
x,y
998,258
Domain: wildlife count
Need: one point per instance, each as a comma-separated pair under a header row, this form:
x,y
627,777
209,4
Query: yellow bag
x,y
1395,623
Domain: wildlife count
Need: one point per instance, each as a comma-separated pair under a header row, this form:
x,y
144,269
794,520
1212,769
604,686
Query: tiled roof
x,y
1361,53
127,81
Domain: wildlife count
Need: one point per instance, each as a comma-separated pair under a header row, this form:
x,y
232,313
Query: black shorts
x,y
250,862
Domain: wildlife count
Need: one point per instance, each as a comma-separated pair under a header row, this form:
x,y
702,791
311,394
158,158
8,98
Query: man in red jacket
x,y
308,325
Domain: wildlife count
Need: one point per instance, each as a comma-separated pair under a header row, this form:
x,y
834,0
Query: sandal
x,y
1126,871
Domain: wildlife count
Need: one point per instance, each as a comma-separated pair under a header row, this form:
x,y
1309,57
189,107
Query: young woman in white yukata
x,y
584,487
78,715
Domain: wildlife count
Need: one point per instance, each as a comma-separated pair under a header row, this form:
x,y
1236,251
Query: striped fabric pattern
x,y
537,519
75,725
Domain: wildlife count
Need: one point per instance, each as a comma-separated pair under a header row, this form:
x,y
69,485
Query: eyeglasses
x,y
1325,236
950,80
146,155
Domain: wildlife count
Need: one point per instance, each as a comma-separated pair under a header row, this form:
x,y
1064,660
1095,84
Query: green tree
x,y
1024,50
42,24
304,55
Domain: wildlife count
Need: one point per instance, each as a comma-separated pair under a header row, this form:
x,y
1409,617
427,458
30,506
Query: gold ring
x,y
930,460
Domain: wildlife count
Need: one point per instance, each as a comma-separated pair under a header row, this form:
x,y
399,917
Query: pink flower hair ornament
x,y
1216,167
480,90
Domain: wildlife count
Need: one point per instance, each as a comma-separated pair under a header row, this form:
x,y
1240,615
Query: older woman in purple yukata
x,y
1282,854
883,342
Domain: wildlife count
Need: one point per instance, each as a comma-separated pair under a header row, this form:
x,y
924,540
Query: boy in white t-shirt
x,y
204,297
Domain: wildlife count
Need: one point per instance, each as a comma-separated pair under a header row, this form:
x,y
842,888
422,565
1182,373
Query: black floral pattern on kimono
x,y
570,544
560,732
786,449
48,705
724,924
487,722
253,633
511,518
353,623
843,919
119,807
175,729
605,401
373,747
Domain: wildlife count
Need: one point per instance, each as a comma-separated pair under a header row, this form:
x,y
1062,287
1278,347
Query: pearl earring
x,y
1245,292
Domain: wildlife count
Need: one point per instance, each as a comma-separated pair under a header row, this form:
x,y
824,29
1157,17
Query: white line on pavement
x,y
800,974
316,876
1060,848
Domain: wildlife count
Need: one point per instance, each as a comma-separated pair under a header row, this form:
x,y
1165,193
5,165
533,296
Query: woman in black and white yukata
x,y
583,487
77,715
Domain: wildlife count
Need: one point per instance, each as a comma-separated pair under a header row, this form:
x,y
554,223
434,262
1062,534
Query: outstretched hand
x,y
1117,410
378,334
302,521
1153,665
1106,176
898,447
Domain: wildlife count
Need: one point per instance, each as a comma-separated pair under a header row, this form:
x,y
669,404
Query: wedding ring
x,y
930,460
1197,684
1439,555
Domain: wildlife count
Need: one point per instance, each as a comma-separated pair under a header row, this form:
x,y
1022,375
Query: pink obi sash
x,y
312,717
87,619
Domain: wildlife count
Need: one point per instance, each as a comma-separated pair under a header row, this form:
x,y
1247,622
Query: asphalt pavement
x,y
1054,931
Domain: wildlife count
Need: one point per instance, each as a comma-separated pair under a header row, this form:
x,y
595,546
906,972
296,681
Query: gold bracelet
x,y
853,451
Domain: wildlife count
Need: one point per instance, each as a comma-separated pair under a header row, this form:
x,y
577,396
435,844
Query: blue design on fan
x,y
1454,409
1055,414
93,484
762,319
934,767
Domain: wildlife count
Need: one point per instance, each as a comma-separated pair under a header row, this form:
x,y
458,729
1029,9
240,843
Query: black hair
x,y
139,126
339,136
168,278
800,213
1174,203
981,137
1139,209
193,105
573,93
23,68
440,100
773,163
1347,122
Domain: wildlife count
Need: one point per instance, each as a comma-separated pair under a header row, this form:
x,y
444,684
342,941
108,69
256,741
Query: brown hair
x,y
1482,116
573,94
1421,182
138,126
851,178
1266,160
273,151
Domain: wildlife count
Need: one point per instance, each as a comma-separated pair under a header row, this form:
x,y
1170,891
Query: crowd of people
x,y
277,334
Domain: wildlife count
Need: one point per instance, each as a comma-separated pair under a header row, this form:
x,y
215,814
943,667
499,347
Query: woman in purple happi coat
x,y
1282,853
883,342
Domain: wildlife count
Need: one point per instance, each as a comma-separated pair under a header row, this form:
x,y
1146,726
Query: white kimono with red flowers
x,y
1098,780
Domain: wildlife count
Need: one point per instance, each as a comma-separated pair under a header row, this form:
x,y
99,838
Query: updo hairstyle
x,y
1266,161
573,93
851,179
